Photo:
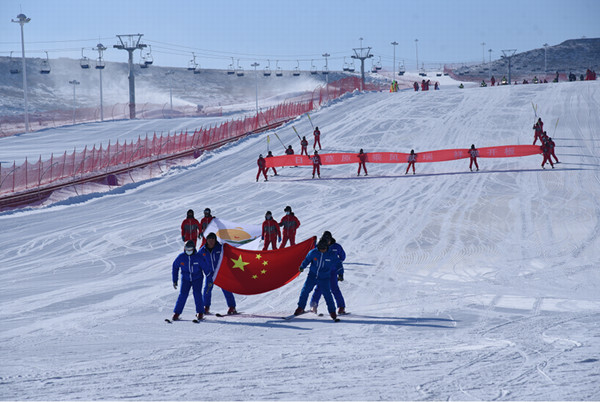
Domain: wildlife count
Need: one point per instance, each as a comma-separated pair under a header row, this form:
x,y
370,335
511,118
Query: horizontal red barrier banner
x,y
505,151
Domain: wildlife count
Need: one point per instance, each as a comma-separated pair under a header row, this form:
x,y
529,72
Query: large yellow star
x,y
239,263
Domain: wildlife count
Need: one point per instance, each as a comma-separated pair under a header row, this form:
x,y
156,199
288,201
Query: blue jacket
x,y
189,266
323,265
338,250
209,259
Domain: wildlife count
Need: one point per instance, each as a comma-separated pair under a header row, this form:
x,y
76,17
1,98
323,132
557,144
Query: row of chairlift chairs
x,y
84,62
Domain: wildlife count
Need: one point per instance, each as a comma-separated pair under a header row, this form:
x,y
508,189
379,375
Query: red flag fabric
x,y
503,151
251,272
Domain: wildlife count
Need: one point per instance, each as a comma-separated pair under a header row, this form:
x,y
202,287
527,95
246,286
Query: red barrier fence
x,y
119,157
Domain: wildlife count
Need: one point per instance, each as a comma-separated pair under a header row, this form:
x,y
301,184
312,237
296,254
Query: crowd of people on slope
x,y
589,76
193,265
425,85
548,144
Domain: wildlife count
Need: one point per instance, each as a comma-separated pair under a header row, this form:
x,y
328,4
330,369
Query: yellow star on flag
x,y
239,263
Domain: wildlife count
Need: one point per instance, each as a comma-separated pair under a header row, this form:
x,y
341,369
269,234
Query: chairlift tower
x,y
22,20
394,43
74,83
255,64
131,43
100,66
509,57
362,53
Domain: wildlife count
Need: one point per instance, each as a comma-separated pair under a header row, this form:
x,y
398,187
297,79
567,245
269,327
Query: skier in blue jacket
x,y
210,256
192,277
322,261
334,278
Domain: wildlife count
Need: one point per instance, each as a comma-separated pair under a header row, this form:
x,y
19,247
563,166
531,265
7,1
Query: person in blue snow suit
x,y
322,261
334,278
192,276
210,255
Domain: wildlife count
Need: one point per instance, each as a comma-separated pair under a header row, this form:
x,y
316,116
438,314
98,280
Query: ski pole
x,y
556,125
296,131
280,141
309,119
268,141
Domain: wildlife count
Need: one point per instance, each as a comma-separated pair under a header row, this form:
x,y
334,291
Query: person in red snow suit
x,y
412,158
474,153
317,135
546,152
204,222
304,145
270,155
552,145
416,86
316,160
539,129
190,228
362,159
261,167
289,223
270,232
493,80
289,150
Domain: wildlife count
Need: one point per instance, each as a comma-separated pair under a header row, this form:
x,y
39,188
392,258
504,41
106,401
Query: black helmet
x,y
327,234
323,244
189,248
207,211
268,215
288,208
190,213
211,235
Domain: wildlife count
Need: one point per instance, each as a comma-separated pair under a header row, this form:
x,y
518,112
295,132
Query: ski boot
x,y
342,310
299,311
206,309
175,317
231,311
199,316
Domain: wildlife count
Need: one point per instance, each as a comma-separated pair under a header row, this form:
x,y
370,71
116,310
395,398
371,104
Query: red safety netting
x,y
504,151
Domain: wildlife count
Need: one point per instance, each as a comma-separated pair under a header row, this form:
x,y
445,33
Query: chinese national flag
x,y
250,272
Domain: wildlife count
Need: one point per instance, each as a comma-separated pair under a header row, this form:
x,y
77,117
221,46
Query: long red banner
x,y
505,151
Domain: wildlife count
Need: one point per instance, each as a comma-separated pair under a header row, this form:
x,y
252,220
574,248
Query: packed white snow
x,y
461,285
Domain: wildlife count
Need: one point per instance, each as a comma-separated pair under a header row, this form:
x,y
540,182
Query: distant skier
x,y
192,277
316,161
289,150
362,159
412,158
322,261
474,153
270,155
210,256
317,135
304,145
270,232
290,224
416,86
546,152
552,145
493,80
261,167
539,129
204,222
190,228
334,277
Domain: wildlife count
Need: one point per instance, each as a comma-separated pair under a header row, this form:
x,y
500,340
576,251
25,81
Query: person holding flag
x,y
261,167
270,232
190,228
209,257
362,159
270,155
317,135
304,145
290,223
192,276
204,222
334,278
412,158
316,161
474,153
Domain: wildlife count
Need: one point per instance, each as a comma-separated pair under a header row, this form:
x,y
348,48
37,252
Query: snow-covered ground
x,y
462,286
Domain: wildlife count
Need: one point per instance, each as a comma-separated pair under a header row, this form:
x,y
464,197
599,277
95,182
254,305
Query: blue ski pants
x,y
184,292
335,290
324,285
208,295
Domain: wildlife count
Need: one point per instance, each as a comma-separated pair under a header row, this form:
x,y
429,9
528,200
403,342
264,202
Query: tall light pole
x,y
545,57
417,49
490,67
483,52
490,50
100,66
74,83
326,55
22,20
255,64
130,43
170,75
394,43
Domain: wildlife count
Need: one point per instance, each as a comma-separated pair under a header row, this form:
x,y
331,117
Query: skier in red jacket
x,y
552,145
362,159
539,130
190,228
316,160
261,167
270,155
290,223
546,151
204,222
270,231
304,145
412,158
474,153
317,135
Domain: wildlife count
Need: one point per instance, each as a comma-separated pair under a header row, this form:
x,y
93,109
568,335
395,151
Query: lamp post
x,y
74,83
170,74
100,66
545,57
255,64
394,43
417,49
326,55
22,20
483,52
490,68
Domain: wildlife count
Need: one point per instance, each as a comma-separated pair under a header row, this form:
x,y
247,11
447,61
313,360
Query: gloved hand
x,y
341,277
209,285
279,238
183,239
262,237
301,269
174,285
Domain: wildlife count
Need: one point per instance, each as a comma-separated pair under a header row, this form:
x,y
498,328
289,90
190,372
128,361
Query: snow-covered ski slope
x,y
462,286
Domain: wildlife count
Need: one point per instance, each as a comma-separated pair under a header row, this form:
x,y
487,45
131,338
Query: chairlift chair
x,y
373,68
278,70
84,62
346,67
99,64
401,69
14,65
148,60
267,71
231,69
296,72
313,68
378,65
239,71
142,60
325,70
45,68
351,67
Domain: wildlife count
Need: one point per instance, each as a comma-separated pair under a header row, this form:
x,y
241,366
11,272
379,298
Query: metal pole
x,y
131,45
100,48
545,58
394,43
255,64
74,83
170,73
417,49
483,52
22,20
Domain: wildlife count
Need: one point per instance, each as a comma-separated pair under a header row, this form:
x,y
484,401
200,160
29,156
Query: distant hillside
x,y
573,55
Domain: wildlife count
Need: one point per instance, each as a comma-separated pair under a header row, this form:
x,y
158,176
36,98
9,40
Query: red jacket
x,y
261,162
204,224
316,160
190,229
290,223
362,158
270,230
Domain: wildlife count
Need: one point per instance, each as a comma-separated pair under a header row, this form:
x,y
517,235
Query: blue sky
x,y
217,30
